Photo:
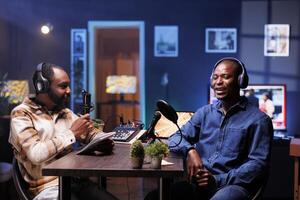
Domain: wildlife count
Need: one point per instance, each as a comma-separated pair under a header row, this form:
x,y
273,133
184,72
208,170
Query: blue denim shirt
x,y
234,147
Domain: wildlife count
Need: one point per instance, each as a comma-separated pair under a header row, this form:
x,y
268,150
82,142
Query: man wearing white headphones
x,y
43,129
226,144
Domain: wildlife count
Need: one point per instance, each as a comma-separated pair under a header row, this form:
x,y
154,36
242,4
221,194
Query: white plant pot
x,y
147,159
137,162
156,162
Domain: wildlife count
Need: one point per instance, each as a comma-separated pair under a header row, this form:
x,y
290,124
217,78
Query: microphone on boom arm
x,y
86,102
151,129
169,112
150,132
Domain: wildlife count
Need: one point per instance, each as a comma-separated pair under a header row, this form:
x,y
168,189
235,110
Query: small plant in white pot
x,y
156,151
137,154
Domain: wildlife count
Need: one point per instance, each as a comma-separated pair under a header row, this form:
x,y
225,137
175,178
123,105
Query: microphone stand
x,y
152,136
86,102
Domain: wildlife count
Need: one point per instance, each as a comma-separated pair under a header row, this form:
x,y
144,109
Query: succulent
x,y
137,149
157,149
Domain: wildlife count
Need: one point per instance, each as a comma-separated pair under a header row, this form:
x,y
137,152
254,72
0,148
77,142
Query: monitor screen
x,y
270,99
165,128
121,84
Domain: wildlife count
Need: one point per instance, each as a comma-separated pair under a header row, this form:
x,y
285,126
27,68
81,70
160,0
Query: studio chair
x,y
20,184
259,194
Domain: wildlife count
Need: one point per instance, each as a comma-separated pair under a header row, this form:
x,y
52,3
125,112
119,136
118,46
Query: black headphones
x,y
243,78
41,84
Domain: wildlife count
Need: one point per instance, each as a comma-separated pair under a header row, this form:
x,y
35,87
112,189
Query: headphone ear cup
x,y
240,81
42,84
243,79
212,76
39,86
211,80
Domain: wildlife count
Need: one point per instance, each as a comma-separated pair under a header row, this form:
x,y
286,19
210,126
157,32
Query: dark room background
x,y
23,46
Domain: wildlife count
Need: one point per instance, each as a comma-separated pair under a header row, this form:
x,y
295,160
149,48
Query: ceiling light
x,y
46,28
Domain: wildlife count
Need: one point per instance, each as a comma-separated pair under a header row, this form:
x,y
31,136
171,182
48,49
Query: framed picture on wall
x,y
220,40
78,67
276,40
166,41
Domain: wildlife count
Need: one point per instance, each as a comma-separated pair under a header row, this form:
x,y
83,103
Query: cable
x,y
181,136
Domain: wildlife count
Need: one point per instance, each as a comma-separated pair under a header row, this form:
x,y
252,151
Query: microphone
x,y
150,133
86,102
167,110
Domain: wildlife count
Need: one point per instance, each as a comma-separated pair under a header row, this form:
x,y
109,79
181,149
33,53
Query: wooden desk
x,y
295,151
116,165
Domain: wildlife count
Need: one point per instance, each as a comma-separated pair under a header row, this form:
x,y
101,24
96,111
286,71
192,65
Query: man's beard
x,y
60,102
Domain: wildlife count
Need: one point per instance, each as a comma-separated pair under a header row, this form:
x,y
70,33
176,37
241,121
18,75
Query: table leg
x,y
164,188
103,182
64,192
160,188
296,178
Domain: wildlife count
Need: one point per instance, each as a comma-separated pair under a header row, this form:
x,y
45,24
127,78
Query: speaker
x,y
41,84
243,78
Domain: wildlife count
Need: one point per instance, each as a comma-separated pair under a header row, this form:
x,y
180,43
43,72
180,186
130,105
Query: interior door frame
x,y
92,28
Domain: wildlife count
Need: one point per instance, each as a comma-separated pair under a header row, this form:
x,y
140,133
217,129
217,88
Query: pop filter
x,y
167,110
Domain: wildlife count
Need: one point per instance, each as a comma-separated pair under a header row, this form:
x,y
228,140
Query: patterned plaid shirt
x,y
39,137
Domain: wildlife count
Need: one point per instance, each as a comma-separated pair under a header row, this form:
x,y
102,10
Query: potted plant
x,y
137,154
156,151
99,124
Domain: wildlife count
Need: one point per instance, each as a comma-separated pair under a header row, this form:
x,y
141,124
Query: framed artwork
x,y
276,40
220,40
166,41
78,67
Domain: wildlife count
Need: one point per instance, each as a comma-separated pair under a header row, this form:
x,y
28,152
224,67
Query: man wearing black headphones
x,y
226,144
43,129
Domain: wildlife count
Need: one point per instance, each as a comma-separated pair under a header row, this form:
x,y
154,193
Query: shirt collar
x,y
30,102
242,103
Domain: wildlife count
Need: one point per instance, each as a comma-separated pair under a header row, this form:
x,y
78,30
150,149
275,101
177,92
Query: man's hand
x,y
204,179
82,126
194,163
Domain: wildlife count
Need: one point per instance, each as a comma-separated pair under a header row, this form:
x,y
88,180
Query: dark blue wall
x,y
22,46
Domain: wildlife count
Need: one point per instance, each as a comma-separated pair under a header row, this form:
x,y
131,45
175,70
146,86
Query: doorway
x,y
116,50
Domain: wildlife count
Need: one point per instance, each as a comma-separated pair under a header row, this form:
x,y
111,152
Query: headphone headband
x,y
230,59
40,67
